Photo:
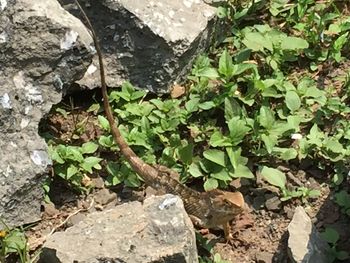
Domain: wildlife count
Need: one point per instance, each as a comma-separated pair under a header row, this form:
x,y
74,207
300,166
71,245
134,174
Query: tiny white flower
x,y
296,136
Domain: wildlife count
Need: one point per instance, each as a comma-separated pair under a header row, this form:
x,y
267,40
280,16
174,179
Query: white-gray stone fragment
x,y
305,244
130,233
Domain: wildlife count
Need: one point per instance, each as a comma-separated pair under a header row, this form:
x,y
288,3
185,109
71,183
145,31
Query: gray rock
x,y
42,49
157,231
150,43
273,203
305,244
104,196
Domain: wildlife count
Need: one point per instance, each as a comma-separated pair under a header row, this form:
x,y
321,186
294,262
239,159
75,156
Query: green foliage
x,y
331,236
278,178
14,241
73,163
342,198
253,98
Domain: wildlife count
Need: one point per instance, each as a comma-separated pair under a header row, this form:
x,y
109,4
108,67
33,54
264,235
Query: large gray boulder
x,y
157,231
43,48
150,43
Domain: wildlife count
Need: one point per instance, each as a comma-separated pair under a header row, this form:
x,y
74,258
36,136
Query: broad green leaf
x,y
55,156
210,184
222,175
192,104
73,153
106,141
91,162
293,101
270,141
216,156
334,146
226,65
89,147
232,108
238,130
294,43
234,155
274,177
242,171
210,73
132,180
103,122
71,170
240,68
186,153
219,140
266,117
113,168
285,153
330,235
257,42
194,170
243,55
315,136
342,198
207,105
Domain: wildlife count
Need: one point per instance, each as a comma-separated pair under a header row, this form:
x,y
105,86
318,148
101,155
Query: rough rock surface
x,y
305,244
150,43
42,49
157,231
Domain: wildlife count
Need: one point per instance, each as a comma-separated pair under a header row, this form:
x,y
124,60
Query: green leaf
x,y
232,108
207,105
266,117
222,175
219,140
274,177
270,141
73,153
242,171
342,198
294,43
89,147
226,65
186,153
330,235
194,170
286,153
103,122
210,184
293,101
54,154
238,130
243,55
257,42
234,155
192,104
334,146
106,141
216,156
210,73
91,162
71,170
94,108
